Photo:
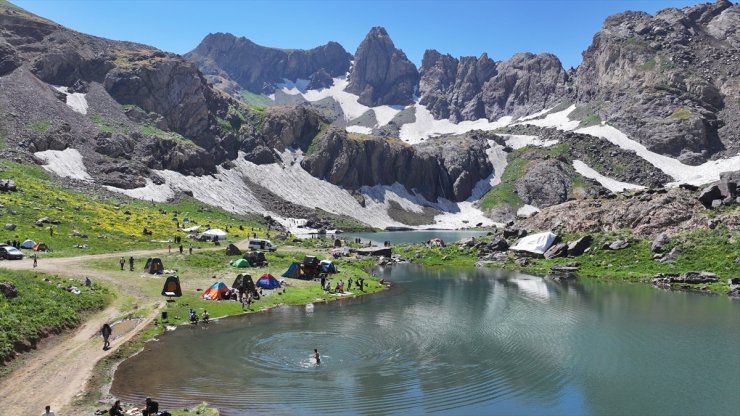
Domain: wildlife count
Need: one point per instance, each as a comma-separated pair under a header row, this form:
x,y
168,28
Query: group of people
x,y
151,408
339,288
194,316
122,262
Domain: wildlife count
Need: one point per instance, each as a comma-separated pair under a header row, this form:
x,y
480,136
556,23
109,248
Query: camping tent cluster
x,y
219,290
310,268
32,245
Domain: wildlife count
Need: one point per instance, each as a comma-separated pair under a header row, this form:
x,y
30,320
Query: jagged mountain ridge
x,y
669,80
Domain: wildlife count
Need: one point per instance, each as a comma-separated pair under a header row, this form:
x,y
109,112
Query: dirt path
x,y
61,368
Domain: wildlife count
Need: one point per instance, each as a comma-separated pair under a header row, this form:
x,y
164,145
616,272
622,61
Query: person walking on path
x,y
106,331
169,248
190,248
131,263
35,260
122,262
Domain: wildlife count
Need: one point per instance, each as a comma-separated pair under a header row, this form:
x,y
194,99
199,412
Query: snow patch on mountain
x,y
148,192
558,120
608,183
426,126
66,163
75,100
359,129
695,175
517,141
350,107
535,115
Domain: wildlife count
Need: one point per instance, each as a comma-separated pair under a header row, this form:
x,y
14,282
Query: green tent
x,y
241,263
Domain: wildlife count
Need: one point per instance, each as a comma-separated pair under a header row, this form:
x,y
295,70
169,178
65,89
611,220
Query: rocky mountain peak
x,y
223,56
471,88
668,80
382,74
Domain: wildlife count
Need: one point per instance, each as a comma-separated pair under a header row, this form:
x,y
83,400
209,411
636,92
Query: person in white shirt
x,y
48,411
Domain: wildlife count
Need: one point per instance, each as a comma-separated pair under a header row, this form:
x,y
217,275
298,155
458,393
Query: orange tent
x,y
217,291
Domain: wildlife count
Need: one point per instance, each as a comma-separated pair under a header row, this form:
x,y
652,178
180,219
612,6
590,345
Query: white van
x,y
261,244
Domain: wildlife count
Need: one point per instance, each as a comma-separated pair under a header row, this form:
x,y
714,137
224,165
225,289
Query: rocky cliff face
x,y
381,73
258,68
445,168
472,88
671,81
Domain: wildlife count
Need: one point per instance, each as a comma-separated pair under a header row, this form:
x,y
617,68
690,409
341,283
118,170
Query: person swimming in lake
x,y
317,356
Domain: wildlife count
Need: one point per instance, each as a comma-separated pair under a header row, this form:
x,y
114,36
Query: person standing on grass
x,y
122,262
51,231
180,248
169,248
190,248
48,411
106,331
131,263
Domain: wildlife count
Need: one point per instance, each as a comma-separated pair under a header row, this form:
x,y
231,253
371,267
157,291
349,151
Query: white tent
x,y
28,244
535,243
214,232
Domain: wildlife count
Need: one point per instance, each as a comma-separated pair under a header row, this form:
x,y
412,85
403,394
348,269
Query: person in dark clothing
x,y
317,356
131,263
180,248
152,408
116,409
106,331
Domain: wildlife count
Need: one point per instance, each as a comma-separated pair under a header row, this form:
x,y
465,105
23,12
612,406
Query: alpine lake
x,y
457,341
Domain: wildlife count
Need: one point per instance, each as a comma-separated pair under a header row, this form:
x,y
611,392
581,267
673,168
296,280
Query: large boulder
x,y
7,185
577,247
709,194
557,250
8,290
382,74
658,245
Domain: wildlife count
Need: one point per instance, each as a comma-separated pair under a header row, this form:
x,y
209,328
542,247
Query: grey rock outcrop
x,y
557,250
544,184
285,127
382,74
444,168
658,245
670,81
471,88
258,68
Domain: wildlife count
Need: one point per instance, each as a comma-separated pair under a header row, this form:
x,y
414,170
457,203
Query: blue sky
x,y
460,28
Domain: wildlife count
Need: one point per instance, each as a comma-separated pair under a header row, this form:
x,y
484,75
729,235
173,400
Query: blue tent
x,y
268,281
294,271
327,266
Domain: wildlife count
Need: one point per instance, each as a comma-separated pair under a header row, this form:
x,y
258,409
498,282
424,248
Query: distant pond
x,y
402,237
451,341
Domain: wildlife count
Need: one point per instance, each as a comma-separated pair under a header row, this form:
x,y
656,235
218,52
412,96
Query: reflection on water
x,y
460,342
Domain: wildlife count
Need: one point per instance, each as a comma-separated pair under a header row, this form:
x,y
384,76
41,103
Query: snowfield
x,y
695,175
608,183
350,107
425,126
558,120
75,100
66,163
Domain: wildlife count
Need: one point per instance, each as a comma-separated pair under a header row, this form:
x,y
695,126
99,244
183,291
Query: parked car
x,y
261,244
10,253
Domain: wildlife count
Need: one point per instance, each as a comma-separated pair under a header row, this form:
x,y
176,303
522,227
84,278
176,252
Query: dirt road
x,y
61,368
